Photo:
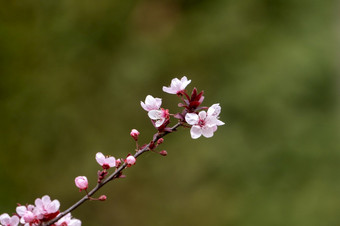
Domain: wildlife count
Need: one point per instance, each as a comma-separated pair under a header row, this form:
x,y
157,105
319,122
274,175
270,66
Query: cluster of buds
x,y
201,120
44,210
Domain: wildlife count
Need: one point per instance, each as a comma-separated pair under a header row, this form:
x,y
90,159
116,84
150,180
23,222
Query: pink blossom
x,y
81,182
130,160
151,103
105,162
159,116
205,123
28,214
6,220
134,134
45,208
68,221
177,86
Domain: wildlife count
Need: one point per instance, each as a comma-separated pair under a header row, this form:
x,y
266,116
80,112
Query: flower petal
x,y
195,132
208,131
169,90
21,210
100,158
155,114
111,161
202,115
191,118
214,110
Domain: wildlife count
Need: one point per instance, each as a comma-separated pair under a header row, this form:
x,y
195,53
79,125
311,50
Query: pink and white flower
x,y
159,116
45,208
151,103
81,182
68,221
28,214
6,220
130,160
105,162
177,86
205,123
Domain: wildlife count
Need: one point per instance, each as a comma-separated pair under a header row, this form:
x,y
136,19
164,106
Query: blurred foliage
x,y
72,74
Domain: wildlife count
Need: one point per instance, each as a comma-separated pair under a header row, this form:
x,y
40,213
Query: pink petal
x,y
169,90
46,199
195,132
100,158
111,161
155,114
207,131
191,118
21,210
202,115
14,220
159,122
214,110
53,206
5,219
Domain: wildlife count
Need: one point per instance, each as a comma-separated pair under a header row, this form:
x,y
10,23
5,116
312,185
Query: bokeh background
x,y
73,73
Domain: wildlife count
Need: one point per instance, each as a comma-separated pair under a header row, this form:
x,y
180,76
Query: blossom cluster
x,y
202,121
44,210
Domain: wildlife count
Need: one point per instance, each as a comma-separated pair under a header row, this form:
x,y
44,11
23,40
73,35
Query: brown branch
x,y
112,176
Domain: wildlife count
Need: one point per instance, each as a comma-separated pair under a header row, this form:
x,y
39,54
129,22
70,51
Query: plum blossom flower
x,y
159,116
46,208
105,162
68,221
151,103
6,220
81,182
134,134
28,214
205,123
177,86
130,160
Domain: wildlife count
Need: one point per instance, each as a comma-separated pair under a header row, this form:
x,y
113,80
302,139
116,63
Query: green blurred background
x,y
72,74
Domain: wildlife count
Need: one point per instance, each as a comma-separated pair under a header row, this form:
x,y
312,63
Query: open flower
x,y
159,116
6,220
151,103
28,214
45,208
177,86
205,123
105,162
81,182
68,221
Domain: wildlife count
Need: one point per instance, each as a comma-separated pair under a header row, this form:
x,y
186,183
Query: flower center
x,y
201,122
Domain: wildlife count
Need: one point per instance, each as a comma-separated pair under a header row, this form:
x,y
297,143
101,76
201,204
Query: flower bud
x,y
118,162
130,160
134,134
102,198
160,140
164,153
81,182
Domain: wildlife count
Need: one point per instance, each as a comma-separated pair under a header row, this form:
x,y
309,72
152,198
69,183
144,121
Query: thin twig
x,y
111,176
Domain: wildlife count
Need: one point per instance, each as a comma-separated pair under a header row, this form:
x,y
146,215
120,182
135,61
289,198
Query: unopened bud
x,y
81,182
130,160
102,198
134,134
160,140
164,153
118,162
